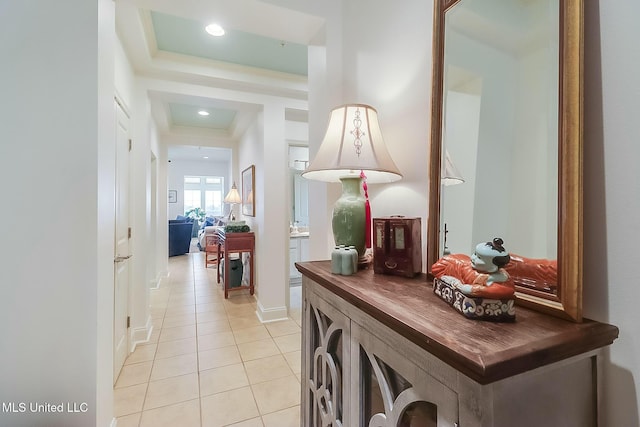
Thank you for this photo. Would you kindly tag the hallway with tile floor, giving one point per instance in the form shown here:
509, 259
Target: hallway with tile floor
210, 362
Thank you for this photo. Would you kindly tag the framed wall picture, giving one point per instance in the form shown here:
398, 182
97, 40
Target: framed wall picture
248, 191
173, 196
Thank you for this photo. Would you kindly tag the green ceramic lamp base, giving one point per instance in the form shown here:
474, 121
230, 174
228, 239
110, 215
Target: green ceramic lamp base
348, 222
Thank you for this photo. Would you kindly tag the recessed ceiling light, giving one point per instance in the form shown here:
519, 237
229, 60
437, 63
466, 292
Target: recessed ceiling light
205, 157
215, 30
203, 113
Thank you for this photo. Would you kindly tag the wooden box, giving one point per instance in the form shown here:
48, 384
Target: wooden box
397, 246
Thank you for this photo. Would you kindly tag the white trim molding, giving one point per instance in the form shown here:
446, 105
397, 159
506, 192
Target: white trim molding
161, 279
140, 335
271, 314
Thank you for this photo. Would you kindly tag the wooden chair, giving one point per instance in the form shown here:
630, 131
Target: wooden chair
211, 250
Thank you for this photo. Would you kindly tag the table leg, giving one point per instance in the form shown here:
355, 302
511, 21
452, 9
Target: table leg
251, 273
218, 266
226, 276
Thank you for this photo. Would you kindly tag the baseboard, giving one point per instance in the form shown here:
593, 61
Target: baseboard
271, 314
295, 281
140, 335
156, 283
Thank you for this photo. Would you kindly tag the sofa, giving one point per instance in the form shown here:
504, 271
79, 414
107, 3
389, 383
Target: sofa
179, 236
209, 226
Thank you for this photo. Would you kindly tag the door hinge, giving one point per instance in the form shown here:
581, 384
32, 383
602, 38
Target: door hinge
129, 232
128, 321
130, 144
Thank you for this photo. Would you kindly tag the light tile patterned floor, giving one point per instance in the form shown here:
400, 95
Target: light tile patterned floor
210, 362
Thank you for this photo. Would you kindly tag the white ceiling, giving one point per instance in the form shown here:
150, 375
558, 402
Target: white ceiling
215, 74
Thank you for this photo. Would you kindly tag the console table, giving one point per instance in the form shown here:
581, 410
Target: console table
229, 243
384, 351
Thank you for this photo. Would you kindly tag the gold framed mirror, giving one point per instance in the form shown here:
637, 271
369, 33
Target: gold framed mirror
511, 122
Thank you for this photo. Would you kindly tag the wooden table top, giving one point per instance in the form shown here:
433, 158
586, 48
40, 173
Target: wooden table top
484, 351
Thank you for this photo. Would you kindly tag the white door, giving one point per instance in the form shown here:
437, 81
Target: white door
122, 254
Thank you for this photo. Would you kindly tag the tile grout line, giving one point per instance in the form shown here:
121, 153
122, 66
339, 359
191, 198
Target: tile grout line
195, 314
155, 353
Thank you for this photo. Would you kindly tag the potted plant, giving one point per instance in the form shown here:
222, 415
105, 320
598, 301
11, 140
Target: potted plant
198, 216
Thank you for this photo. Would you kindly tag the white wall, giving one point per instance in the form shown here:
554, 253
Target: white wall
457, 208
147, 213
250, 153
325, 92
515, 198
264, 146
178, 169
56, 278
162, 252
140, 217
612, 196
533, 198
158, 267
497, 72
378, 54
387, 64
106, 165
124, 75
274, 231
296, 132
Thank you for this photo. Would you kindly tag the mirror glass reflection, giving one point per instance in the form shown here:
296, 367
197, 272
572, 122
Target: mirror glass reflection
299, 187
500, 130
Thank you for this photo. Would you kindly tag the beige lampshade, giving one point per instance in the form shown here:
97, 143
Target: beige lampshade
450, 173
233, 196
353, 143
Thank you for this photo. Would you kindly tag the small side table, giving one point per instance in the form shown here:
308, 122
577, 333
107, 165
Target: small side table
229, 243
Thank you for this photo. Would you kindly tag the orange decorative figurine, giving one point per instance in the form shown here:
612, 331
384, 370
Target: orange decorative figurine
478, 286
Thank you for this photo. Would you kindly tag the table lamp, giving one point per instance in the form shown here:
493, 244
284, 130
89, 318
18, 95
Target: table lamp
450, 173
352, 146
232, 198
